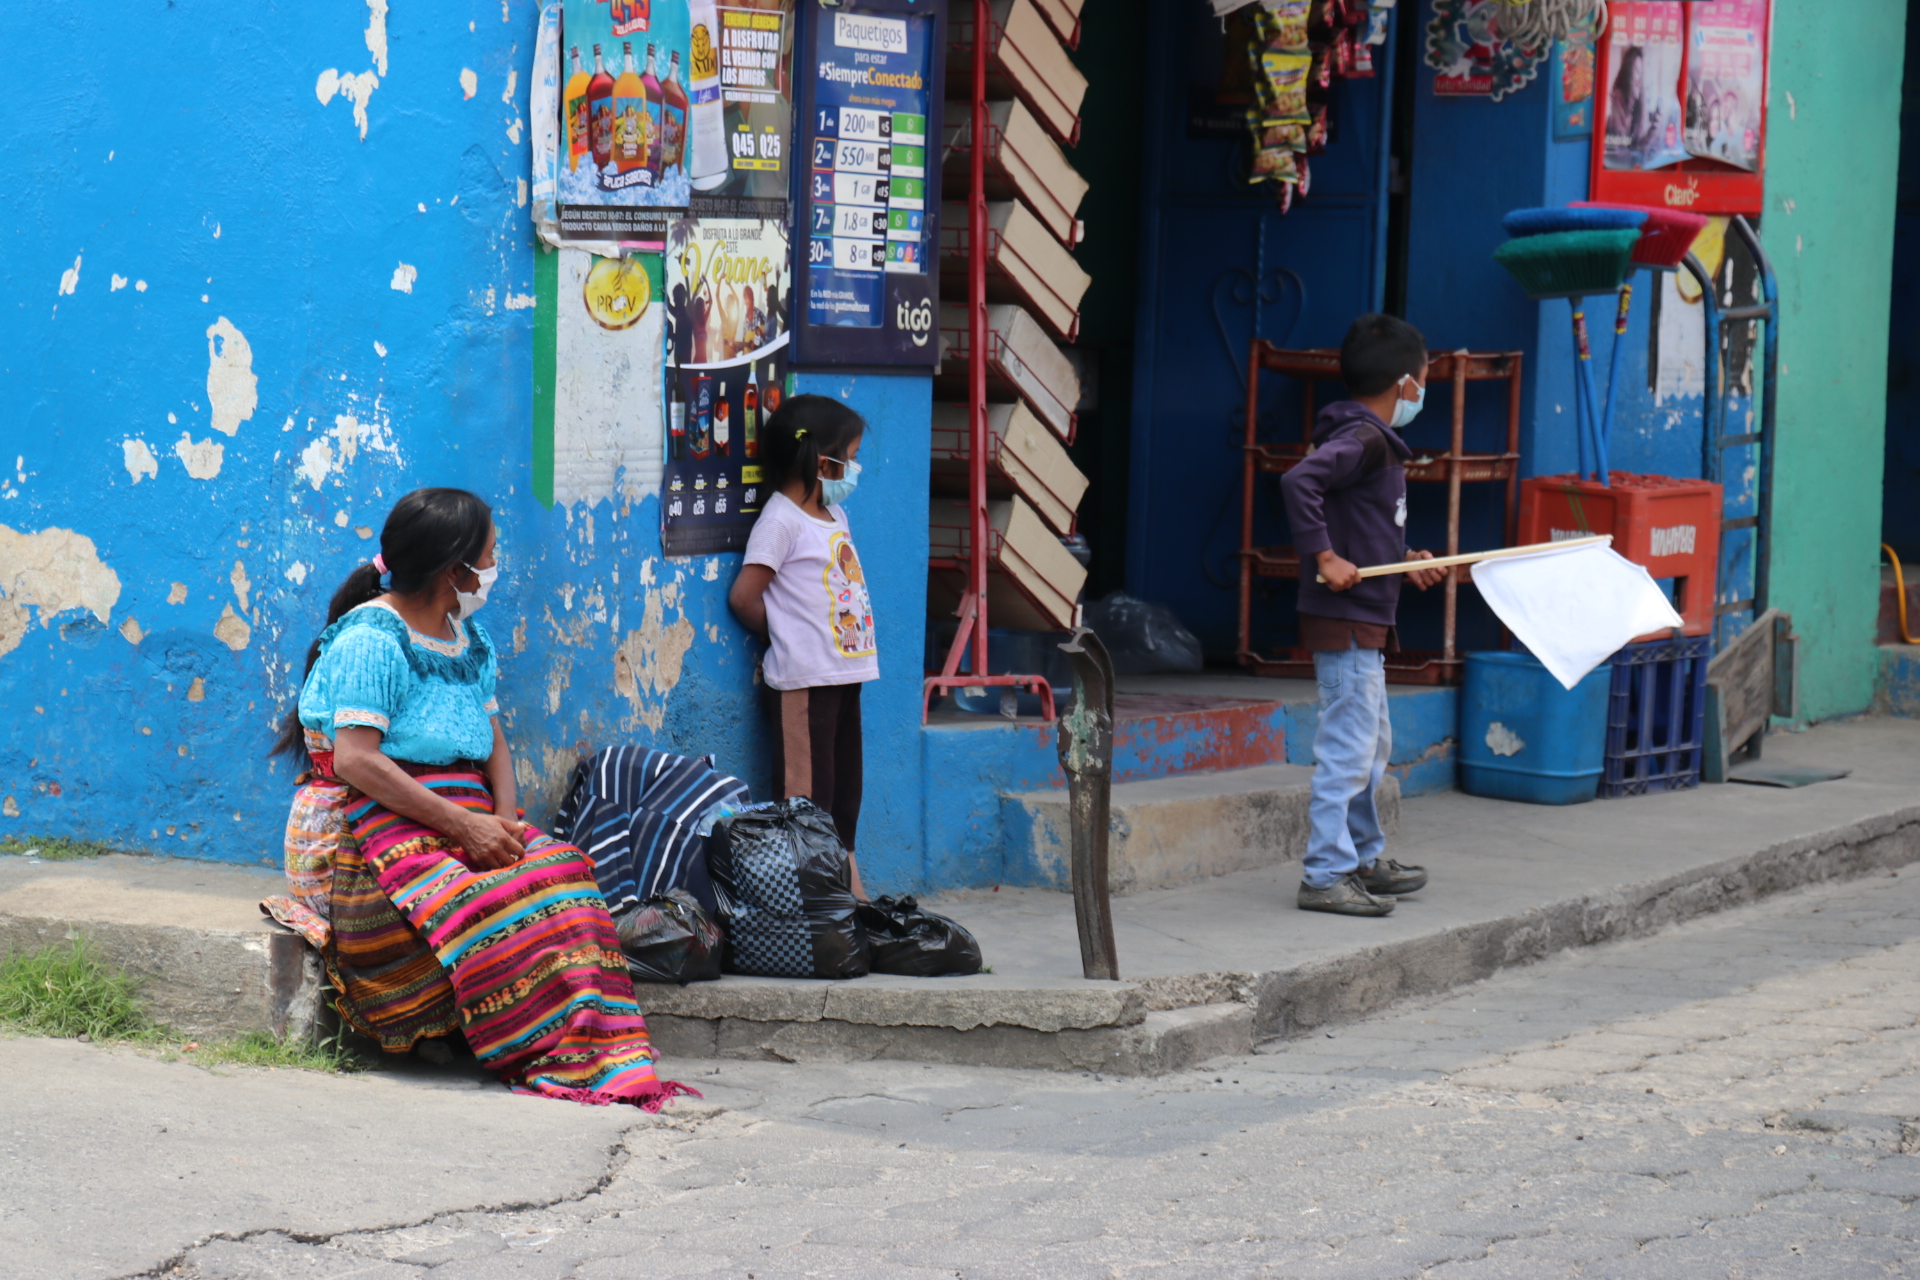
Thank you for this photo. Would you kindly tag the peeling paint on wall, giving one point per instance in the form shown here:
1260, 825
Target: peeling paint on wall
377, 33
202, 460
70, 278
403, 278
51, 571
232, 630
469, 83
140, 462
646, 666
354, 88
315, 461
232, 390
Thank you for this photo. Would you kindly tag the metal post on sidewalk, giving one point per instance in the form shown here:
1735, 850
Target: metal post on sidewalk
1086, 756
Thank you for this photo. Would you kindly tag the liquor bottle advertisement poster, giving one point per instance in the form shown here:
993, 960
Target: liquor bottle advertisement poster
630, 141
869, 183
728, 287
668, 103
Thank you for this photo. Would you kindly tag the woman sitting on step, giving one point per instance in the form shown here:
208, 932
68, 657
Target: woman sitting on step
445, 910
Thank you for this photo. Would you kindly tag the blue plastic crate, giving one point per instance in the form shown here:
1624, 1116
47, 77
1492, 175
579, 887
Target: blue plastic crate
1657, 716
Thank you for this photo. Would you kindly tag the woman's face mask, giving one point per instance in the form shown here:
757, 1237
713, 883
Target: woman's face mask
470, 601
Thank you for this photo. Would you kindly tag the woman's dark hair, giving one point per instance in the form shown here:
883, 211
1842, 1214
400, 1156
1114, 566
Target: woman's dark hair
804, 430
427, 532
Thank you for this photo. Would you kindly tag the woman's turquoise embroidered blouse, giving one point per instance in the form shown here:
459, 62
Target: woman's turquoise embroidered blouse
430, 699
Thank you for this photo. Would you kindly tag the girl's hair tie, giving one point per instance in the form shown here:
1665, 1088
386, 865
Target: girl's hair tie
801, 434
380, 563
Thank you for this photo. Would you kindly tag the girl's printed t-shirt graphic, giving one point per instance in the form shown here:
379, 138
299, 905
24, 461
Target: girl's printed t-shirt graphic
852, 614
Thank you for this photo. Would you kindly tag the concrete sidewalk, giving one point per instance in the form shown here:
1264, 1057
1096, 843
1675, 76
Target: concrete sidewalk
1210, 967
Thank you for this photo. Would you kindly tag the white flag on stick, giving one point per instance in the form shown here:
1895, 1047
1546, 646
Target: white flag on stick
1573, 609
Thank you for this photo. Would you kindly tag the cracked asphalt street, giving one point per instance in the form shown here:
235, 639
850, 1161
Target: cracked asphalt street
1737, 1097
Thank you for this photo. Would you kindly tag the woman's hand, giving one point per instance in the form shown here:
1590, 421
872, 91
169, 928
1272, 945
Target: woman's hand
493, 842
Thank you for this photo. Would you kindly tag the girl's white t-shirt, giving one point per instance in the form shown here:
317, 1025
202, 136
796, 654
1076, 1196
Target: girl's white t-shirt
819, 618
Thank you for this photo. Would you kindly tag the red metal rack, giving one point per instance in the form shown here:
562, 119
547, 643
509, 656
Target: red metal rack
973, 601
1452, 468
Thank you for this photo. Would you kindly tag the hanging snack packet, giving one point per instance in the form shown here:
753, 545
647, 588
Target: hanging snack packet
1316, 133
1320, 75
1283, 26
1280, 86
1273, 150
1362, 61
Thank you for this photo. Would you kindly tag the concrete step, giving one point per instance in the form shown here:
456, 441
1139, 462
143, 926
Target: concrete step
1175, 831
1065, 1024
1210, 967
209, 963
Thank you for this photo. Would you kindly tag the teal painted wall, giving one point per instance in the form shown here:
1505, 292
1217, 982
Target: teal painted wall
1833, 136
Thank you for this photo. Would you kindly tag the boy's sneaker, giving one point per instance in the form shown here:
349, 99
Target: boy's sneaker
1345, 896
1386, 876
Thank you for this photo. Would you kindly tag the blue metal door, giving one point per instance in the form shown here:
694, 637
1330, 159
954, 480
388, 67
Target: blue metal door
1220, 264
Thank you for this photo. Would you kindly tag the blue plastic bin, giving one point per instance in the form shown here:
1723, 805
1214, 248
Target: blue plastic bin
1523, 737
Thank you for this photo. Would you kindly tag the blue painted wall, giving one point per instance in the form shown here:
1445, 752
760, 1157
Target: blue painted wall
240, 324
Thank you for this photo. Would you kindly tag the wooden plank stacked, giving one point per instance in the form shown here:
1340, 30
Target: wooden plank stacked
1035, 288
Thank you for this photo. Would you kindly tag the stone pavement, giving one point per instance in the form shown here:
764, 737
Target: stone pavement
1735, 1097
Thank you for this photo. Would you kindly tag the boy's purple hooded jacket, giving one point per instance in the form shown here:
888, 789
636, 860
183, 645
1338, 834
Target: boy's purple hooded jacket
1350, 494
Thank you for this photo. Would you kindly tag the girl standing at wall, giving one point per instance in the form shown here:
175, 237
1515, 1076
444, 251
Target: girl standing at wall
802, 589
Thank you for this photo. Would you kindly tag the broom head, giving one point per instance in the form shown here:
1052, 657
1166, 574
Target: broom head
1569, 264
1666, 237
1537, 222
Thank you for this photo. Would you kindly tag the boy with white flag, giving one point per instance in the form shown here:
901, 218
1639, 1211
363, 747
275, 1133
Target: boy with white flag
1573, 604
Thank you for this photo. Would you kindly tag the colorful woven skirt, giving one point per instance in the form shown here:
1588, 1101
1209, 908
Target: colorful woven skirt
538, 975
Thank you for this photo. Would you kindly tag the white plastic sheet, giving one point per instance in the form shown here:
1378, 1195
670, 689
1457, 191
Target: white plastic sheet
1573, 609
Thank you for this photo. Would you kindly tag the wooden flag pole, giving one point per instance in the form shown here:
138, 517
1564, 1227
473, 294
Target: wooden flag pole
1473, 557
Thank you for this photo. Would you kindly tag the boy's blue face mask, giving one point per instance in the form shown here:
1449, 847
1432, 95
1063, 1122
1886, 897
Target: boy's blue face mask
835, 492
1405, 411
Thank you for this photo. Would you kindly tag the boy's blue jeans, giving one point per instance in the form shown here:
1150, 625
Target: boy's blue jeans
1350, 751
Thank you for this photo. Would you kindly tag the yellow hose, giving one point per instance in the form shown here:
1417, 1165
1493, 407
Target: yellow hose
1899, 593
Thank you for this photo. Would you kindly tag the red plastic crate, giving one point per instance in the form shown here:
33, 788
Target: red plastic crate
1669, 525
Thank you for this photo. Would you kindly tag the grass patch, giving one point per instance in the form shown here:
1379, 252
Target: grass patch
264, 1049
68, 990
55, 848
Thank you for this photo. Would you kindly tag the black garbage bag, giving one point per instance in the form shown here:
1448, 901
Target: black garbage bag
786, 893
670, 939
906, 939
1141, 638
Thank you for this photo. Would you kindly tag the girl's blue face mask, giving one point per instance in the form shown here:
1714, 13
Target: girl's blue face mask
835, 492
1405, 411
